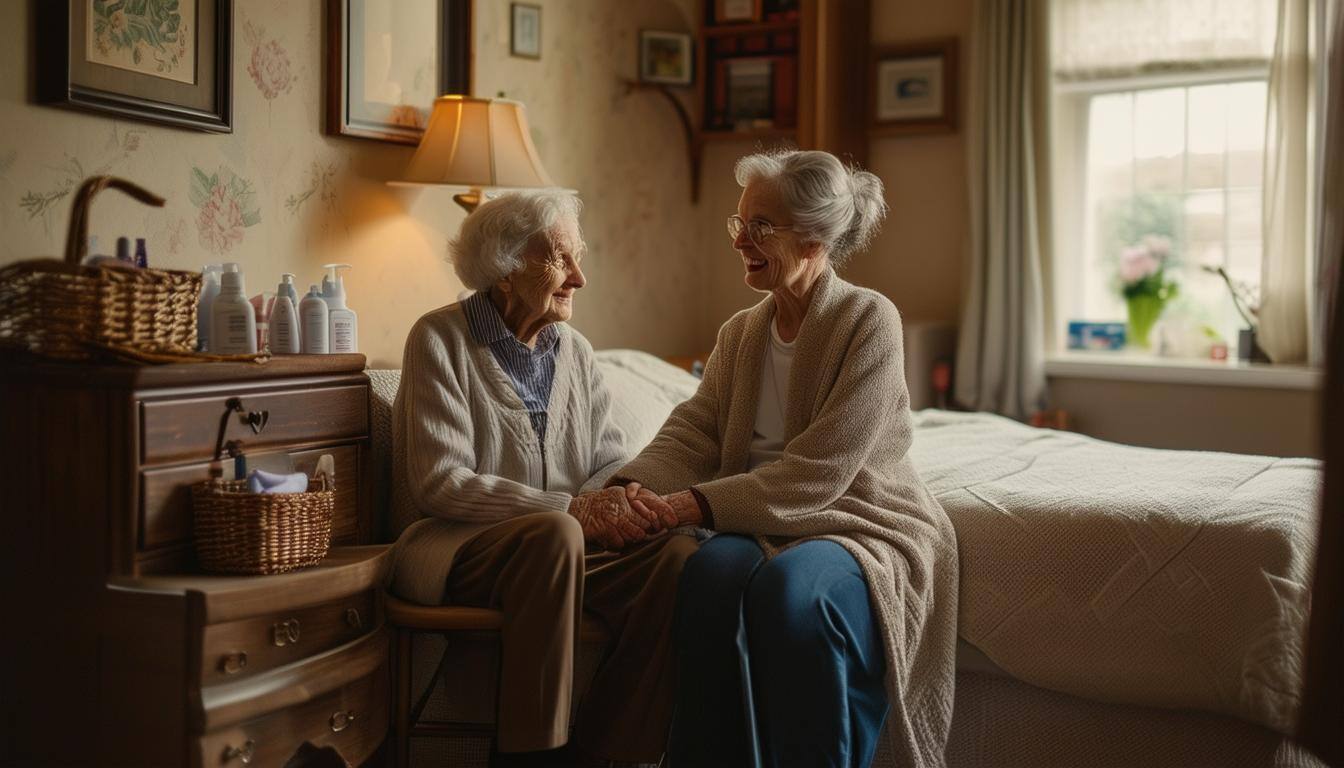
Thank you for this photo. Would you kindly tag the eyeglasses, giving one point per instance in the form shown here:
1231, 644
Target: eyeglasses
758, 230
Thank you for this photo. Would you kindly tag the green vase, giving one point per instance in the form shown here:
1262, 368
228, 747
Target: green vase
1143, 313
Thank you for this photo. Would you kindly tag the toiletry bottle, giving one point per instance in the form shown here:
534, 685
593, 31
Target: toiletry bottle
233, 324
343, 324
313, 316
209, 290
141, 255
262, 306
124, 252
285, 336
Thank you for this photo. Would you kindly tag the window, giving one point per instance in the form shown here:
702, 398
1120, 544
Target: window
1158, 151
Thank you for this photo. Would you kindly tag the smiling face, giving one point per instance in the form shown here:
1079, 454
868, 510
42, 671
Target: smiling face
776, 261
544, 287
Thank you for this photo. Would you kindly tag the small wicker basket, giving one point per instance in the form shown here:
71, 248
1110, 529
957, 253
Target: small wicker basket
63, 309
238, 531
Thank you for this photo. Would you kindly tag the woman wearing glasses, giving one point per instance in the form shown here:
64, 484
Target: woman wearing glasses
826, 604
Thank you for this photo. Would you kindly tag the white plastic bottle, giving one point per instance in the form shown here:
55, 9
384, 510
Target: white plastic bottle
209, 290
313, 315
233, 322
342, 323
285, 335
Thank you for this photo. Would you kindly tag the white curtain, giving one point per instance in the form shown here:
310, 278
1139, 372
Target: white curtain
1122, 38
1330, 177
1284, 272
1001, 344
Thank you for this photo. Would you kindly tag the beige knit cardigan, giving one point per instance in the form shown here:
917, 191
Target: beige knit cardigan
846, 476
465, 456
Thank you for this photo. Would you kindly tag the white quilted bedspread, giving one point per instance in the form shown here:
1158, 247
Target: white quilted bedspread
1125, 574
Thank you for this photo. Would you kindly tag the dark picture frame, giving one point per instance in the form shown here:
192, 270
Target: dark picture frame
522, 37
666, 57
349, 110
751, 92
196, 93
913, 88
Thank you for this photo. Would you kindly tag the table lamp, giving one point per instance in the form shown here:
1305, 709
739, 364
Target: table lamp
479, 146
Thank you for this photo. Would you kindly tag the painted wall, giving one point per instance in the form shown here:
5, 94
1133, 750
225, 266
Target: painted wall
278, 195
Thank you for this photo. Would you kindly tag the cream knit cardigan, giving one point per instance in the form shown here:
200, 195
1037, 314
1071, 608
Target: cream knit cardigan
846, 476
465, 456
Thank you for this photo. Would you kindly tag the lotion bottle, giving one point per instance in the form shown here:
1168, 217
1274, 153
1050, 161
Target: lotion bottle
209, 290
285, 335
233, 324
343, 324
314, 317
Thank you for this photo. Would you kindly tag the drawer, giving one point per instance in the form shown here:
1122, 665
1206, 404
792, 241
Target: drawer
352, 719
165, 497
182, 430
239, 649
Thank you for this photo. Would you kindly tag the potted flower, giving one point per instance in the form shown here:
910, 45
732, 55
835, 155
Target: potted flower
1144, 284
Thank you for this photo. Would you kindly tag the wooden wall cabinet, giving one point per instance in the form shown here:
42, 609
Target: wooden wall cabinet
119, 651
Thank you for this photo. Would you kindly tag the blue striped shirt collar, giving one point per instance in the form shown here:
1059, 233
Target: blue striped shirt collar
487, 325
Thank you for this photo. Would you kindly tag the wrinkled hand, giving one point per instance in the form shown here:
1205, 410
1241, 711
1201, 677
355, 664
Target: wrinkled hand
654, 509
607, 518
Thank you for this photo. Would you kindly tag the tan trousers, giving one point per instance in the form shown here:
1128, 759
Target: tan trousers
535, 571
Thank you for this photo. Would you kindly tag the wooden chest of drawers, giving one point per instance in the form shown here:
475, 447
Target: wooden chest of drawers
128, 655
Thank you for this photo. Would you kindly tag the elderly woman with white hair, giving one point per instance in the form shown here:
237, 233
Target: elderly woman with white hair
827, 601
503, 440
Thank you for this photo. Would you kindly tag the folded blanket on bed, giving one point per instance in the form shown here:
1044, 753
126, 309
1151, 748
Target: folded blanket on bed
1124, 574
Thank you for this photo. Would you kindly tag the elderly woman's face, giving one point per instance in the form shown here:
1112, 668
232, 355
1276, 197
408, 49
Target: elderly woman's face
774, 261
550, 273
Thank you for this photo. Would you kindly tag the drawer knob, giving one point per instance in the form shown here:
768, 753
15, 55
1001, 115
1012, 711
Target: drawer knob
353, 618
233, 663
342, 720
285, 632
244, 753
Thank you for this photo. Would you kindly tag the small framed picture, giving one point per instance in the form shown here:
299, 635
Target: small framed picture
737, 10
914, 89
665, 57
525, 30
750, 93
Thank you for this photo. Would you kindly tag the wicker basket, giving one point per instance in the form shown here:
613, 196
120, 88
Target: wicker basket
238, 531
65, 310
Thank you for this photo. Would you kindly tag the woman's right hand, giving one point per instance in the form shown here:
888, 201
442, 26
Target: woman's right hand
607, 518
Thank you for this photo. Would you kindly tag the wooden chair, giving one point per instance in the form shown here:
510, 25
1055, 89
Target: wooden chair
407, 619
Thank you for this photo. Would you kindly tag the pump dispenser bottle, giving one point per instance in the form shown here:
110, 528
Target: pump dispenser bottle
209, 290
343, 324
313, 315
285, 335
233, 322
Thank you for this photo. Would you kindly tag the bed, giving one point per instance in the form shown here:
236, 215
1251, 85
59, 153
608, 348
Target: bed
1119, 606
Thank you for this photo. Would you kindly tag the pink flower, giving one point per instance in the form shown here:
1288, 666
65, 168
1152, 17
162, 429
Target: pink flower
220, 222
269, 69
1136, 263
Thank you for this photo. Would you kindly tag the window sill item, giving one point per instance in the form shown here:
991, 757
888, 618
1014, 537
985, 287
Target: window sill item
1122, 366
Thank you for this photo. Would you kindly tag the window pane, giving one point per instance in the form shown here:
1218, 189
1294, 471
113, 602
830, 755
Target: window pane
1245, 133
1208, 137
1243, 214
1204, 217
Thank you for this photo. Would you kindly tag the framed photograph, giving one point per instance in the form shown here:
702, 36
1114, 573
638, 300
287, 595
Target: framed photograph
914, 88
525, 30
727, 11
387, 60
750, 93
665, 57
162, 61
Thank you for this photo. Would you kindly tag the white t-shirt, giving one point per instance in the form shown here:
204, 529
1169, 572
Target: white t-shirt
767, 440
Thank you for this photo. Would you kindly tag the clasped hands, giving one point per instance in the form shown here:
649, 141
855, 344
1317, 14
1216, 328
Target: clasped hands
617, 516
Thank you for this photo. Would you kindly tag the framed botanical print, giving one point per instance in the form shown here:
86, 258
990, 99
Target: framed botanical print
665, 57
387, 60
163, 61
525, 30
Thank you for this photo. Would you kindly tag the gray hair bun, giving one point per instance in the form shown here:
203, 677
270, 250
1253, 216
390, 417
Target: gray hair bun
829, 203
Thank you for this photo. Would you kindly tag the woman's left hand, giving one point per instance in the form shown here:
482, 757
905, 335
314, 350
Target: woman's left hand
655, 510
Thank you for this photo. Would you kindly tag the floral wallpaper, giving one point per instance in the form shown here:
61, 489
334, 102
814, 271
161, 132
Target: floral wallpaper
279, 195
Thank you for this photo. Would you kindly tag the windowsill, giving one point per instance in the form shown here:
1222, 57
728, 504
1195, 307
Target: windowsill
1129, 366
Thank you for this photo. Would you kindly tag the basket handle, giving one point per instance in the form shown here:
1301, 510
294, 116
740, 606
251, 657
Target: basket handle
77, 238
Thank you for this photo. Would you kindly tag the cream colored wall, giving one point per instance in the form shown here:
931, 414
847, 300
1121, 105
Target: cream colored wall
917, 258
322, 198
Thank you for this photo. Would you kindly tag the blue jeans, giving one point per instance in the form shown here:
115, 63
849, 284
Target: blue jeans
780, 662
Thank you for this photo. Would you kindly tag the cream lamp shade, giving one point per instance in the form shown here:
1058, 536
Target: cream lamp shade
479, 146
